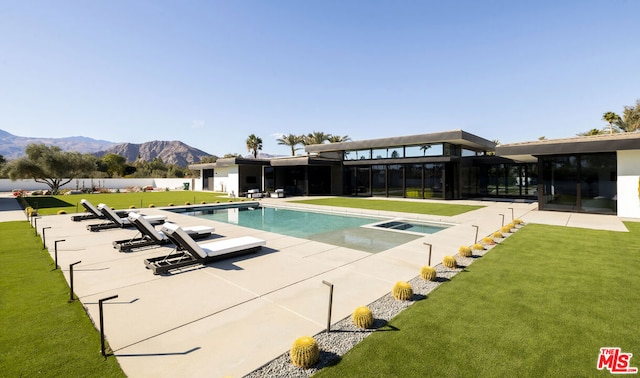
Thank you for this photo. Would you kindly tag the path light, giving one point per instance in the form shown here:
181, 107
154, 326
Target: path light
35, 224
44, 239
429, 260
512, 217
71, 280
502, 215
55, 244
330, 304
477, 228
102, 323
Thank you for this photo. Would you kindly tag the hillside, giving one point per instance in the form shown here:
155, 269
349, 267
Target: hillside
12, 146
171, 152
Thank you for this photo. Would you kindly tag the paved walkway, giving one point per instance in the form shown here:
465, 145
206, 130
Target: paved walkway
231, 317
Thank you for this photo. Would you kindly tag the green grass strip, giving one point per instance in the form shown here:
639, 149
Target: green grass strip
432, 208
48, 205
42, 333
541, 304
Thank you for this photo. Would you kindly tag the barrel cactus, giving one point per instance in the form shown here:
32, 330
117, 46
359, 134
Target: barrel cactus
497, 235
450, 262
478, 247
362, 317
465, 251
505, 229
187, 203
304, 352
488, 241
152, 205
60, 212
402, 291
518, 222
132, 206
428, 273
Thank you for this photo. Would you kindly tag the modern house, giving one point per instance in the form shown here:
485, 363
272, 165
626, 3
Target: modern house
594, 174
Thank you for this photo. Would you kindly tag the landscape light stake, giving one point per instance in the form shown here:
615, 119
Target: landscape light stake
35, 224
330, 304
71, 280
512, 217
502, 215
477, 228
102, 323
55, 244
430, 247
44, 238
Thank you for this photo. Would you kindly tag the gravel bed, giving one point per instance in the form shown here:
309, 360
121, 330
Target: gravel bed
345, 335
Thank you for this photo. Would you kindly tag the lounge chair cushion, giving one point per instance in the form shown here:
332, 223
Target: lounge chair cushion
221, 247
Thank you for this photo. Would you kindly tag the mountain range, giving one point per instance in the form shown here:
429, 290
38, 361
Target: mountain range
171, 152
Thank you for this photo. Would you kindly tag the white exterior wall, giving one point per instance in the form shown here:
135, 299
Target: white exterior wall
628, 184
7, 185
226, 179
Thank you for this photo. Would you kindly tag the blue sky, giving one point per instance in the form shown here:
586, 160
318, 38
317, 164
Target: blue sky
209, 73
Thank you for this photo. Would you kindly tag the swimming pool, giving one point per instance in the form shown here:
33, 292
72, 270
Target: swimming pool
336, 229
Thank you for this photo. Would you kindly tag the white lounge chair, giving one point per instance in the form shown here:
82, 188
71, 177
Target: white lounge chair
114, 221
151, 236
93, 213
188, 252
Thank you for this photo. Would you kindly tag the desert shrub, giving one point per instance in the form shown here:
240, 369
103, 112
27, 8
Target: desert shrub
304, 352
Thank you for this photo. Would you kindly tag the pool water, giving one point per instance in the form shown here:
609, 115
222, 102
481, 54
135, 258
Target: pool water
338, 230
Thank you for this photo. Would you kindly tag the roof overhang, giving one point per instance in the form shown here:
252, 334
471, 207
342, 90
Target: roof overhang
302, 161
459, 137
528, 151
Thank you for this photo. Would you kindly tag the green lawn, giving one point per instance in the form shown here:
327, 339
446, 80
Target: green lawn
432, 208
42, 334
71, 203
541, 304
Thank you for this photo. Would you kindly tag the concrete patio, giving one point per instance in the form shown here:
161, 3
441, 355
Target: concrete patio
231, 317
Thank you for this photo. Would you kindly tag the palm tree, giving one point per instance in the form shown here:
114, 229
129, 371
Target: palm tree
316, 137
254, 144
290, 140
338, 139
611, 118
591, 132
424, 149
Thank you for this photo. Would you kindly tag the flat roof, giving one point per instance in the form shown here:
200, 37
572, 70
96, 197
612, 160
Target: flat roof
459, 137
527, 151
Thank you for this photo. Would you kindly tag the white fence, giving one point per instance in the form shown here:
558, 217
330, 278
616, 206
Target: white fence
7, 185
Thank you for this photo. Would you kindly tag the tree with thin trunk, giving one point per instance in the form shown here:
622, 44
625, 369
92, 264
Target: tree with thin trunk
50, 165
290, 140
611, 118
631, 118
254, 144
